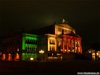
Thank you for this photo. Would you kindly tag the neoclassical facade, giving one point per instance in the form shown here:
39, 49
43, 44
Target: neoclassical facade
55, 42
64, 39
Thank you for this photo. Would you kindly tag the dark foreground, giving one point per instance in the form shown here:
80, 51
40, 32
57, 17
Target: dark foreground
49, 68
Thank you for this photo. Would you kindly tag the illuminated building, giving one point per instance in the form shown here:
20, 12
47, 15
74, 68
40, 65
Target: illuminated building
95, 55
20, 47
57, 42
29, 46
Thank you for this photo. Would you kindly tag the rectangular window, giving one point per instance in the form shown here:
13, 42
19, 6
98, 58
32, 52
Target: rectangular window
52, 48
52, 41
31, 41
65, 31
59, 29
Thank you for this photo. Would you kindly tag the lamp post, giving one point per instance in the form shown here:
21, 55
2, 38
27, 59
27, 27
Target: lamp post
41, 52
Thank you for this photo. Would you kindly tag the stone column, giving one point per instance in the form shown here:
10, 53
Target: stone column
48, 44
63, 46
77, 47
67, 46
71, 44
80, 47
74, 46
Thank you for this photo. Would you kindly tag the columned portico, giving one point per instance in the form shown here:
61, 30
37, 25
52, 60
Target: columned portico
70, 44
67, 46
63, 46
73, 44
80, 47
77, 47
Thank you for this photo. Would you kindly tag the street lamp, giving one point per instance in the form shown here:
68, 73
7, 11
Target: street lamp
31, 58
41, 52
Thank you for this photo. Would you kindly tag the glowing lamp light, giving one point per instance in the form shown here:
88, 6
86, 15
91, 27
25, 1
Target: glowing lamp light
52, 54
41, 51
3, 57
73, 50
89, 51
59, 54
0, 53
9, 57
17, 56
69, 50
61, 49
31, 58
17, 49
61, 57
97, 54
93, 53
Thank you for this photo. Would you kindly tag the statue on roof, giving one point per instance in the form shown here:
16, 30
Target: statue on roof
64, 21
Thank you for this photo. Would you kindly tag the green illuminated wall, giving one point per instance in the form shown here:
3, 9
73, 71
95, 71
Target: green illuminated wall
29, 34
27, 56
30, 38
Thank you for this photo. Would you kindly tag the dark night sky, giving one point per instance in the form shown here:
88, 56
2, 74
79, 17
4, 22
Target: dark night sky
83, 15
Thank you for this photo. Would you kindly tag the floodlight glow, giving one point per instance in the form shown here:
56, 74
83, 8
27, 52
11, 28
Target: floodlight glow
89, 51
3, 56
93, 53
17, 56
41, 51
31, 58
9, 57
97, 54
17, 49
61, 57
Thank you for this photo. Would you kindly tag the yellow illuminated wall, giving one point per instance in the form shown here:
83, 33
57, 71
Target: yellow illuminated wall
67, 29
50, 45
